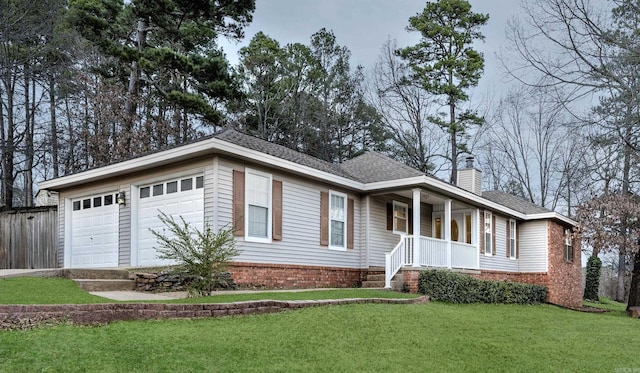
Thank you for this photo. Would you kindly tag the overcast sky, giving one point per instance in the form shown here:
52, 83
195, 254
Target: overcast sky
364, 25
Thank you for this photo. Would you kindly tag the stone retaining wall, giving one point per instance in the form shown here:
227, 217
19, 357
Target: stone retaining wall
28, 316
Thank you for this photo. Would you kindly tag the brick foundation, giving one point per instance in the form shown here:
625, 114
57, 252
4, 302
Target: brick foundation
537, 278
288, 276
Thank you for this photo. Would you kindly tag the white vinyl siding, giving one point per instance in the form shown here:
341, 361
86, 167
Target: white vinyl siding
300, 242
500, 261
533, 246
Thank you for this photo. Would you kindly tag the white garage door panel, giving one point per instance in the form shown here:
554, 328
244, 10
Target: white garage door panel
188, 204
94, 232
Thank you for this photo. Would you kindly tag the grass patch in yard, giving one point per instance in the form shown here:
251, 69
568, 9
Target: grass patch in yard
363, 337
607, 304
44, 290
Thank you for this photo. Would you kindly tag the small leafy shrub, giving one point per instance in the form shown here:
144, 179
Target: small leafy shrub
594, 264
455, 287
201, 255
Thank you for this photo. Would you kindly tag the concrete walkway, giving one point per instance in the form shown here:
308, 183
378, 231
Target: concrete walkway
53, 272
138, 295
135, 295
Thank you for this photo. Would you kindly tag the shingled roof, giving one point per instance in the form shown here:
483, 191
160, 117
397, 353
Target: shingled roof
514, 203
283, 152
371, 167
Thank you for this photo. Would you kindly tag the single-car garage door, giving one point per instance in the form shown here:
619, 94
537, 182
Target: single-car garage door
180, 197
94, 231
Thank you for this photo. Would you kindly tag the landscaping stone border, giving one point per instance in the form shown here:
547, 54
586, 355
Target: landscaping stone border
29, 316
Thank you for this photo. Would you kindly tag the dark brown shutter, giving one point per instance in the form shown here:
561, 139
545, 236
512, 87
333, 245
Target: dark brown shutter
350, 215
389, 216
508, 238
324, 218
493, 234
410, 220
238, 203
276, 201
481, 232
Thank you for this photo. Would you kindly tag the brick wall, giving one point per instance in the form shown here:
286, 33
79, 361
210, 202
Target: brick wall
565, 277
538, 278
276, 276
29, 316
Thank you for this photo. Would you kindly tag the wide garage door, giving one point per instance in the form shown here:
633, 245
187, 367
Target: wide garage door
180, 197
94, 231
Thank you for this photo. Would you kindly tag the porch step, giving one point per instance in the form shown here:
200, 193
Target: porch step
97, 274
376, 280
105, 284
379, 277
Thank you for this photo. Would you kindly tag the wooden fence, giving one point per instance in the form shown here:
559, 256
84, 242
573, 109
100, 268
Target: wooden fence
29, 238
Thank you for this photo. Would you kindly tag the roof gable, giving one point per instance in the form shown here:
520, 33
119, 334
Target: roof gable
514, 203
371, 167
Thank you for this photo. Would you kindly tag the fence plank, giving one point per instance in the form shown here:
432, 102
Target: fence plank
28, 238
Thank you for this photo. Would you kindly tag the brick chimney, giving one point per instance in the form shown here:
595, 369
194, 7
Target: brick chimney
470, 178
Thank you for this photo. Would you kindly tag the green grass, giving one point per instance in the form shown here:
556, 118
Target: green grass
608, 304
34, 290
353, 338
37, 290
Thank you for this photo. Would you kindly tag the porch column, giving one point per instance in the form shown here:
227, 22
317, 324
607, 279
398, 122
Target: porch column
416, 227
447, 229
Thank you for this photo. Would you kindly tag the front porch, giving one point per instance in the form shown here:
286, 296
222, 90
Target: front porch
430, 252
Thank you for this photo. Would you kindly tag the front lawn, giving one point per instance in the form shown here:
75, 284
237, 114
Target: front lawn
34, 290
352, 338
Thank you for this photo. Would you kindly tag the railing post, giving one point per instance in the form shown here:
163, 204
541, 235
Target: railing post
416, 227
387, 270
447, 229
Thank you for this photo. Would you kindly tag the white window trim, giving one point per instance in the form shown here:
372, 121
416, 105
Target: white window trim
488, 216
269, 206
346, 213
568, 244
406, 211
513, 240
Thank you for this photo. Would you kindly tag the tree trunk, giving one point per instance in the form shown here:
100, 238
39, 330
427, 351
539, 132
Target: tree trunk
54, 126
634, 289
454, 145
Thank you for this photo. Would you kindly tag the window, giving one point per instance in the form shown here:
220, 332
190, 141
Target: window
199, 182
258, 206
488, 233
467, 228
86, 203
145, 192
158, 189
568, 247
438, 228
172, 187
108, 199
455, 231
513, 243
400, 217
76, 205
97, 201
186, 184
338, 220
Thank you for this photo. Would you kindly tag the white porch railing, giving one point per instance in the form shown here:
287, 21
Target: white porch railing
433, 253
